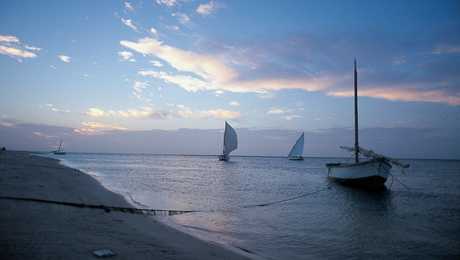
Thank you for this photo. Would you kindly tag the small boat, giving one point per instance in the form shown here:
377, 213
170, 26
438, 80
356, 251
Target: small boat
60, 150
230, 142
370, 173
297, 150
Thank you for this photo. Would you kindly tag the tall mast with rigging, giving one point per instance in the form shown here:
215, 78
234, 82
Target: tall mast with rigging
356, 114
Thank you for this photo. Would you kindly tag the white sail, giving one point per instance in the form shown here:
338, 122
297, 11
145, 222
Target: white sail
230, 139
297, 149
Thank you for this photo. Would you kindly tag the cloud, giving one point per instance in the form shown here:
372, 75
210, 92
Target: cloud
14, 52
90, 128
9, 38
210, 73
139, 113
221, 114
267, 85
181, 17
96, 112
32, 48
194, 84
402, 94
275, 111
154, 31
218, 113
43, 135
64, 58
203, 72
173, 27
126, 56
446, 49
288, 114
129, 23
11, 46
167, 3
129, 7
145, 112
290, 117
53, 108
138, 88
189, 83
205, 66
206, 9
234, 103
156, 63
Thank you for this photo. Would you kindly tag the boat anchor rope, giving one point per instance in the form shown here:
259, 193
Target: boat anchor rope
151, 212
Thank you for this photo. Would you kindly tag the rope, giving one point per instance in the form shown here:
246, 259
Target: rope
147, 211
285, 200
143, 211
400, 182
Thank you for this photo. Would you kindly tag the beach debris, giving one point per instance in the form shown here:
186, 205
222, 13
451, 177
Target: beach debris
103, 253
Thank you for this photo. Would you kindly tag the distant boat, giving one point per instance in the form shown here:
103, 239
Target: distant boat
297, 150
60, 150
370, 173
230, 142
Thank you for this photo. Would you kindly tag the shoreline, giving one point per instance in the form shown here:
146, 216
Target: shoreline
37, 230
167, 220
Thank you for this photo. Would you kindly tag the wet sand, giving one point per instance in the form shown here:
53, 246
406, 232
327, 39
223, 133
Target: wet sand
33, 230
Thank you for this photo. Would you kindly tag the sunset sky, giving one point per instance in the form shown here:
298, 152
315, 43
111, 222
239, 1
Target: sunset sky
95, 66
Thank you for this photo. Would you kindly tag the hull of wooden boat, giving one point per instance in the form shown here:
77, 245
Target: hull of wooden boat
296, 158
367, 174
224, 157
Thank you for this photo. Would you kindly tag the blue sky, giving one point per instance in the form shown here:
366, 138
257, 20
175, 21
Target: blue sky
96, 66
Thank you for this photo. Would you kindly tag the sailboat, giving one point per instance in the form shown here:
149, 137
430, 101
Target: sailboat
60, 150
297, 150
373, 171
230, 142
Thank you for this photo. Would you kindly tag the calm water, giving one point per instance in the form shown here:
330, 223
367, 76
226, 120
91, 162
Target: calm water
330, 221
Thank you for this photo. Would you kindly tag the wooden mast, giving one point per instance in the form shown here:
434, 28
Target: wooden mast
356, 114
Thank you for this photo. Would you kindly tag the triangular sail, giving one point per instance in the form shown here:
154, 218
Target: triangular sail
230, 139
60, 146
297, 149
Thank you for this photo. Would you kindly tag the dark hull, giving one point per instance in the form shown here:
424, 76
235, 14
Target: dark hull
224, 158
371, 182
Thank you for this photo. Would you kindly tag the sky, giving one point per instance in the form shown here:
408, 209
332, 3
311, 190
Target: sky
99, 67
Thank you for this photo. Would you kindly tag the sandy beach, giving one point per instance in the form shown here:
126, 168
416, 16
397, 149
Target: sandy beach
33, 230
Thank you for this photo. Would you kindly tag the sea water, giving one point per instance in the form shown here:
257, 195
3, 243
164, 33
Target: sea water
280, 209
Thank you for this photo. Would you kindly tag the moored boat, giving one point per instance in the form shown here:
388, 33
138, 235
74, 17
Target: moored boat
373, 171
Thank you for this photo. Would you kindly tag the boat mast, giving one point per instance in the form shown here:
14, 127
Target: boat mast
356, 114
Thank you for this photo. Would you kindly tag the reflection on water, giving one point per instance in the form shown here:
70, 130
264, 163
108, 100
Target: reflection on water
329, 221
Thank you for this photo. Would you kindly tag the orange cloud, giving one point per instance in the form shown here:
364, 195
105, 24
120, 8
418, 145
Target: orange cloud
403, 94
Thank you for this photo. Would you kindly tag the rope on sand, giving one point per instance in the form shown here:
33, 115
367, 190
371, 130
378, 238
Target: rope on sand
142, 211
151, 212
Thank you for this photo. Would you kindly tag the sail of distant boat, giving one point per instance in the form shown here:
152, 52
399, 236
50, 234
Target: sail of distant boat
230, 142
297, 150
60, 150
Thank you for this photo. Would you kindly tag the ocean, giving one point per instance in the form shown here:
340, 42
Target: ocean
274, 208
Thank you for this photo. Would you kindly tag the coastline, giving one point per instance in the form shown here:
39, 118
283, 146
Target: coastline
39, 231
